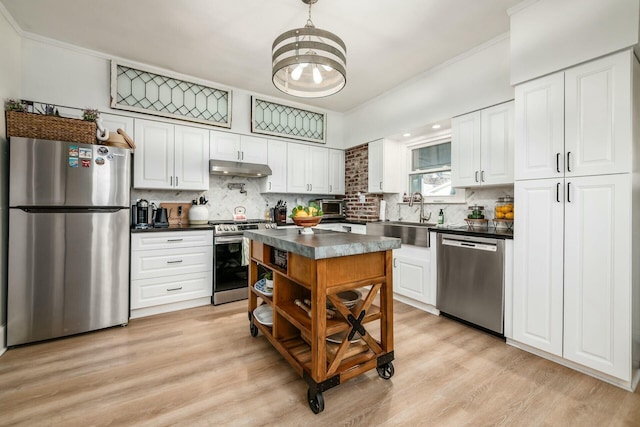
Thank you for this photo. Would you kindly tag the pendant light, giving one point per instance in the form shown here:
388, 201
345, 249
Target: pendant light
309, 62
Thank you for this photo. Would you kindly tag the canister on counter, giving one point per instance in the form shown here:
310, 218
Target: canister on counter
504, 208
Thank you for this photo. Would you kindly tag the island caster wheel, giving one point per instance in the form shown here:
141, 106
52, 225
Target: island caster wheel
253, 329
316, 402
386, 371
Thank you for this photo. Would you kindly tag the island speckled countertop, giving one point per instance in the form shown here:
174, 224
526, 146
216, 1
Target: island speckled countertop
322, 243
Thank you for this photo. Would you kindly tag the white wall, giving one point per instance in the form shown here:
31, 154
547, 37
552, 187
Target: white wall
65, 75
476, 79
550, 35
9, 88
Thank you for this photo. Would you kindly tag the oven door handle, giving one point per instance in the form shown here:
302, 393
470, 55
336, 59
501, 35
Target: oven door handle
223, 240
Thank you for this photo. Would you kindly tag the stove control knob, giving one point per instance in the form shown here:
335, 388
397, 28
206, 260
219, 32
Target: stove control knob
232, 228
226, 228
219, 228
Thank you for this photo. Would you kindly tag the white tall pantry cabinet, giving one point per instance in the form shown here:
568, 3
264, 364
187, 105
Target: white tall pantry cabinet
576, 286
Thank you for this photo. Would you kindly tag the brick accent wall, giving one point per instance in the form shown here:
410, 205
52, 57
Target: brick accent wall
357, 181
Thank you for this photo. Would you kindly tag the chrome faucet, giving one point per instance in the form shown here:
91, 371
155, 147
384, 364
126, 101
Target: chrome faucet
422, 217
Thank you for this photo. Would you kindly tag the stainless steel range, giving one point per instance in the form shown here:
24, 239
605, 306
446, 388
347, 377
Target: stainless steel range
231, 258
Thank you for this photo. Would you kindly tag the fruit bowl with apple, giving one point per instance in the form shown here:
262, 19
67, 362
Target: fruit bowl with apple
306, 217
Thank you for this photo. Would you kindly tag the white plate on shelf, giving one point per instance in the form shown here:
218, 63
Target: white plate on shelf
337, 338
260, 286
264, 315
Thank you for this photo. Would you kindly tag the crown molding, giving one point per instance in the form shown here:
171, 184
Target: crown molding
12, 22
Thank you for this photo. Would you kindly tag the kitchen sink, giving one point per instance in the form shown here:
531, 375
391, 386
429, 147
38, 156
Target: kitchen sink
410, 233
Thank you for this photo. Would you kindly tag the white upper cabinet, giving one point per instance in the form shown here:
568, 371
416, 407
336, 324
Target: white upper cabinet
237, 148
336, 172
539, 116
153, 159
224, 146
191, 162
307, 169
387, 167
253, 149
170, 157
576, 122
482, 147
598, 117
277, 161
496, 144
465, 150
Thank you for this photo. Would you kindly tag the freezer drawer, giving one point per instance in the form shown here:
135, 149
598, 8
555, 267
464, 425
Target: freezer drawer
68, 273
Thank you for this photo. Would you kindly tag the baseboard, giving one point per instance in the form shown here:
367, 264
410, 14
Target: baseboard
166, 308
417, 304
3, 341
626, 385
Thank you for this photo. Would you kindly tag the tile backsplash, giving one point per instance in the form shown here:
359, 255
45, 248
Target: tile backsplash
454, 214
222, 200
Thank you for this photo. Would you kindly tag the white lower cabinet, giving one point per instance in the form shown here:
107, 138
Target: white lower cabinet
412, 282
573, 288
170, 271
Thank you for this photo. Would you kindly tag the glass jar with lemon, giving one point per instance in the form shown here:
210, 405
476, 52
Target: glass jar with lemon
503, 214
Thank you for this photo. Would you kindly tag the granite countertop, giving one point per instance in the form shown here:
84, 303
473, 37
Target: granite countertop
173, 228
322, 243
497, 233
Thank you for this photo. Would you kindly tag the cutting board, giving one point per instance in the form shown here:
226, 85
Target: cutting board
172, 212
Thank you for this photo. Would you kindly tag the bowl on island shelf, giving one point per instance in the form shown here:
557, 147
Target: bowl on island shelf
306, 217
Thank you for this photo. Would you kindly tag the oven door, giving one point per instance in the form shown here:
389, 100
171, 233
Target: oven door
230, 273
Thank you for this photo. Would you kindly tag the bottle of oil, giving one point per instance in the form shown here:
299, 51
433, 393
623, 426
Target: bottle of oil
441, 217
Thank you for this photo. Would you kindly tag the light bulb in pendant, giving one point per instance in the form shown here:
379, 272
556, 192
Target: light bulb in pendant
297, 72
327, 68
317, 77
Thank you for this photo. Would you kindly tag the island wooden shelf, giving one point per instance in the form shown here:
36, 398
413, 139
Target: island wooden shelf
318, 268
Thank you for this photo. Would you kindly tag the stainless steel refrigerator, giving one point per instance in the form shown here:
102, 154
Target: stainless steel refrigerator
69, 220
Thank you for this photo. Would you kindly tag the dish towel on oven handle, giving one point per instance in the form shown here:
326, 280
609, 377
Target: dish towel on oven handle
245, 251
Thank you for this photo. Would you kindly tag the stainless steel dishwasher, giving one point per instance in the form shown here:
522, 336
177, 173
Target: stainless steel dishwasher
471, 279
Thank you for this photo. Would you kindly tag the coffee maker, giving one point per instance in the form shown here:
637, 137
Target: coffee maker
140, 214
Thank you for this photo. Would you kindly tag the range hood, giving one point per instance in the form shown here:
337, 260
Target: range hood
224, 167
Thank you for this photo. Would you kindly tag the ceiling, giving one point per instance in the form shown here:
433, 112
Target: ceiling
229, 41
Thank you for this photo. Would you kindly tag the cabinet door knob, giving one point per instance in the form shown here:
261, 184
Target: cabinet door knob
568, 192
558, 162
395, 262
330, 188
174, 289
558, 192
176, 181
269, 185
171, 181
482, 176
568, 161
476, 176
381, 185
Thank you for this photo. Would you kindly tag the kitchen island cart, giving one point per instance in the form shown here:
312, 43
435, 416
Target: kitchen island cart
330, 290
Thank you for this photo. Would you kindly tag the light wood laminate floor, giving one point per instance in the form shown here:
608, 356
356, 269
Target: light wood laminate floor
200, 367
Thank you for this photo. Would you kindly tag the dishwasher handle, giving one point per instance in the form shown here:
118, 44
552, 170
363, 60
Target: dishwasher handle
470, 245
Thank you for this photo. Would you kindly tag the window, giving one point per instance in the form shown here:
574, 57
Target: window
431, 173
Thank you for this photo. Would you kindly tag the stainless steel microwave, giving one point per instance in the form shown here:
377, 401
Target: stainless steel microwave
332, 208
